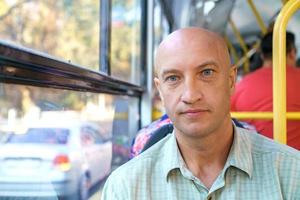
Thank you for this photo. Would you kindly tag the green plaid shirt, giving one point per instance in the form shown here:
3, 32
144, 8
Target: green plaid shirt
256, 168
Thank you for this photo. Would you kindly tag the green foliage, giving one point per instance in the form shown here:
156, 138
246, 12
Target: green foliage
125, 39
69, 30
64, 29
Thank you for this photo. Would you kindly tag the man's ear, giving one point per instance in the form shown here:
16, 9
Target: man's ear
232, 78
158, 86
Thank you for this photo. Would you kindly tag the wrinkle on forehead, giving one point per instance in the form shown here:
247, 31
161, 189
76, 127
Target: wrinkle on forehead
189, 38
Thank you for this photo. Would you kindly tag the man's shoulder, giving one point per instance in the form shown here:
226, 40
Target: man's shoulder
263, 146
274, 162
136, 173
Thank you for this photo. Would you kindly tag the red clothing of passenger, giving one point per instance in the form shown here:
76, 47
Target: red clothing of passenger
254, 93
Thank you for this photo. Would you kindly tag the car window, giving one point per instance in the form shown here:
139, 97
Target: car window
41, 135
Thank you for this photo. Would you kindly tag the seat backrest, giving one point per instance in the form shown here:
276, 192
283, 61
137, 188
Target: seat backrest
158, 135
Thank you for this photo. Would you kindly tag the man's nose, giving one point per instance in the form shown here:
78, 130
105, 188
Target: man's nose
191, 92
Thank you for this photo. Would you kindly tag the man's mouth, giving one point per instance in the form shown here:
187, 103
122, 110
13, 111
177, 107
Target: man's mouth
194, 112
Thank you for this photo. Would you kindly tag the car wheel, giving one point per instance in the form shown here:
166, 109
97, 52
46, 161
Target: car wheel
84, 186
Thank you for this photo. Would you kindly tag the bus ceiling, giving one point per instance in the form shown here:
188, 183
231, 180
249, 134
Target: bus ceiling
215, 15
211, 14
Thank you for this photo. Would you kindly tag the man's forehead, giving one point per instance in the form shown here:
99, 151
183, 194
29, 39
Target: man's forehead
190, 35
188, 39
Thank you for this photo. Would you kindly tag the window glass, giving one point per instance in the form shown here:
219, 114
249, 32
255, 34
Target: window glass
161, 30
161, 26
65, 29
126, 40
38, 118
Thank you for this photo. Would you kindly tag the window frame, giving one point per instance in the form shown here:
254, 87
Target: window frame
24, 66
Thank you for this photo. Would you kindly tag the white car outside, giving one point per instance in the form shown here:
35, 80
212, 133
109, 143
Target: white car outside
62, 159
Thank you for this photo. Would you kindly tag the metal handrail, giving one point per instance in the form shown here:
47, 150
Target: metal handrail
242, 43
247, 53
279, 69
246, 57
263, 115
232, 49
284, 1
258, 17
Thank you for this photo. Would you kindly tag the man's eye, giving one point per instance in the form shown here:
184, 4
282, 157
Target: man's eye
172, 78
207, 72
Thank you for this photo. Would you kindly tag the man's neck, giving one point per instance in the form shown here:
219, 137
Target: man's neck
269, 63
206, 157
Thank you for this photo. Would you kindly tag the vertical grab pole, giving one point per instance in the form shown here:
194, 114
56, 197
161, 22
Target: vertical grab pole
279, 70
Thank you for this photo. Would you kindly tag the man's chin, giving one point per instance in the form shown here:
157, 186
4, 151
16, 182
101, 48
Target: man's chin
194, 131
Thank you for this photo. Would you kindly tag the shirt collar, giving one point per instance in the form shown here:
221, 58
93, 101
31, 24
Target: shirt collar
172, 156
239, 155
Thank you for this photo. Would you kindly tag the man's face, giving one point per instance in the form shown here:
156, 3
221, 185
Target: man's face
195, 82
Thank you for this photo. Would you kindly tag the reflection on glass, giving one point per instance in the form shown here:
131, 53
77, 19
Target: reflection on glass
59, 142
126, 40
66, 29
40, 136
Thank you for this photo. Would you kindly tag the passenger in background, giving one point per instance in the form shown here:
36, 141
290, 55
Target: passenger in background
255, 62
254, 91
207, 156
298, 63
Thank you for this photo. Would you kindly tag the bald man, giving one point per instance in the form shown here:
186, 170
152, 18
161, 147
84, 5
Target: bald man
207, 156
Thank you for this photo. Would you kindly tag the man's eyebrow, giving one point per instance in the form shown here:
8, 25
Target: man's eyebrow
169, 71
207, 63
200, 66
